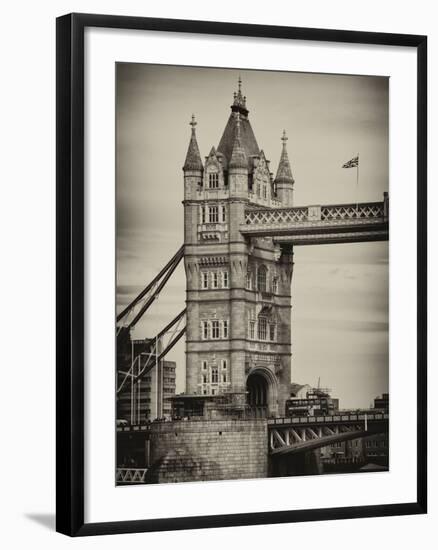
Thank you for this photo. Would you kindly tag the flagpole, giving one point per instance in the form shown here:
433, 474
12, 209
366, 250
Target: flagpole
357, 186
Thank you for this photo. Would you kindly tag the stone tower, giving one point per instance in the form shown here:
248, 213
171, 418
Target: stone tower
238, 339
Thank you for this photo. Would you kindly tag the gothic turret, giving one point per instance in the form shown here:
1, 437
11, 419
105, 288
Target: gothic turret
284, 181
193, 168
193, 161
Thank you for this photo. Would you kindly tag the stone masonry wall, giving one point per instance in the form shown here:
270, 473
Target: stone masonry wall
207, 450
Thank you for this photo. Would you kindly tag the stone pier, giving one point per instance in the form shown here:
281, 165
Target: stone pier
206, 450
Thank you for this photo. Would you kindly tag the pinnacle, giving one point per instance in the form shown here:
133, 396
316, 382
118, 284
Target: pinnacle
284, 172
193, 158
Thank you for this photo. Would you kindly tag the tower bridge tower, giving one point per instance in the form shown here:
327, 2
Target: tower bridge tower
238, 339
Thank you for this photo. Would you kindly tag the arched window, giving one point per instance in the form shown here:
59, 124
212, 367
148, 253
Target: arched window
224, 329
213, 180
215, 333
262, 276
252, 330
272, 332
262, 328
249, 280
213, 214
204, 279
214, 375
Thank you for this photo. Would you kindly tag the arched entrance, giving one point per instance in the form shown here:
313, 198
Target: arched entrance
261, 393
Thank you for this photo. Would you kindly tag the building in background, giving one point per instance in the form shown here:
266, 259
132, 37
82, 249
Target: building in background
382, 402
376, 447
299, 390
307, 401
349, 455
157, 389
372, 450
152, 395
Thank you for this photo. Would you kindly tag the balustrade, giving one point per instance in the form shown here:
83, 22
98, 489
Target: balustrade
299, 215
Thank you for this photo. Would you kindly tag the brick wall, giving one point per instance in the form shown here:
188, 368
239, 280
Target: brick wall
208, 450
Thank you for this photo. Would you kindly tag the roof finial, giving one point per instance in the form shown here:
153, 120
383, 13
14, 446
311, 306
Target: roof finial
193, 123
239, 99
284, 138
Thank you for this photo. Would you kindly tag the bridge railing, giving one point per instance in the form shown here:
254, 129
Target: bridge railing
134, 428
130, 475
329, 419
342, 211
326, 213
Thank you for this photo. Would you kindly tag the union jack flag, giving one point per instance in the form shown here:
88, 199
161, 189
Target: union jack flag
353, 163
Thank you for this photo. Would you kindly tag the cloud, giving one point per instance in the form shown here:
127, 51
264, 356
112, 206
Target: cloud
341, 325
130, 290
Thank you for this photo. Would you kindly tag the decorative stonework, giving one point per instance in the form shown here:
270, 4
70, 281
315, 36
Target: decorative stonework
212, 261
211, 236
238, 266
265, 358
213, 166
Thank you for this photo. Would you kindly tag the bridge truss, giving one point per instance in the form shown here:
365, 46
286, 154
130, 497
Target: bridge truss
300, 434
130, 475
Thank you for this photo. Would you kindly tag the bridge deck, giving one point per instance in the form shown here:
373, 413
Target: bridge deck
319, 224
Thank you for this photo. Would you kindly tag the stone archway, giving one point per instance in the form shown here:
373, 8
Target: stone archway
261, 394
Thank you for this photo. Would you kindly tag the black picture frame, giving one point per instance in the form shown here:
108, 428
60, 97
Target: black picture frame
70, 273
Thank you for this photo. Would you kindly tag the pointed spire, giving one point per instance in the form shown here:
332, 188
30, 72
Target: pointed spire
284, 172
193, 158
238, 156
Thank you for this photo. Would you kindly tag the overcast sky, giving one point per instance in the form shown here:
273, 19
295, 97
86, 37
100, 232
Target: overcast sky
339, 292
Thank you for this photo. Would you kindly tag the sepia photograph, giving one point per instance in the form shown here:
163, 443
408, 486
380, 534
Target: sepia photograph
252, 274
